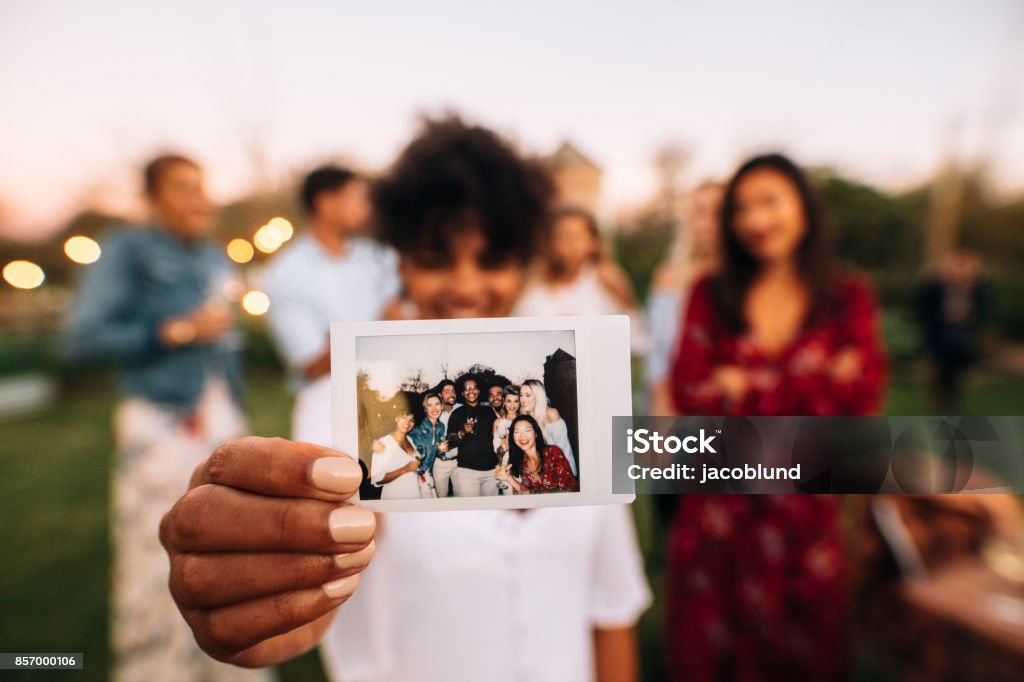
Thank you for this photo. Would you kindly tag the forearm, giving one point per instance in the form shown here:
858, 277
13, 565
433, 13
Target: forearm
104, 339
615, 655
392, 475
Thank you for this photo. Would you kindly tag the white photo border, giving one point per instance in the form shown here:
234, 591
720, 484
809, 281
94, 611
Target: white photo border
603, 390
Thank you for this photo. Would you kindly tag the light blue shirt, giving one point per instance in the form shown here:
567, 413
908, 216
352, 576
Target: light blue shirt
309, 288
664, 313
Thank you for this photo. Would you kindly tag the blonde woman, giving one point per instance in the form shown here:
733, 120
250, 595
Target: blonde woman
533, 399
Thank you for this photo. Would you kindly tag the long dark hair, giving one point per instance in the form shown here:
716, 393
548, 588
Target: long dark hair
815, 257
516, 456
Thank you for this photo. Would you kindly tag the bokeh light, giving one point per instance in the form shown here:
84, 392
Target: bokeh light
23, 274
282, 228
267, 240
240, 251
82, 250
256, 303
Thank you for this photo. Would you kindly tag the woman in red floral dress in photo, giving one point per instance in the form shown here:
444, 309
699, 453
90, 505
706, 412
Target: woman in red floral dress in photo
535, 467
757, 584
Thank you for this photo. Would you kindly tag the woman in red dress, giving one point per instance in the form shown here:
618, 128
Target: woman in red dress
757, 583
534, 466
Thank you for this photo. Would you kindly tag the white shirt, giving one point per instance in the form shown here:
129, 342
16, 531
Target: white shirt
309, 288
465, 596
583, 296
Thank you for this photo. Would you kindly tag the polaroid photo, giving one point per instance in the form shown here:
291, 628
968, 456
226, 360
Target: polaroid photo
503, 413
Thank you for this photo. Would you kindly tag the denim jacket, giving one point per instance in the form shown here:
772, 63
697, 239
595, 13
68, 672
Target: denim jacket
144, 277
425, 436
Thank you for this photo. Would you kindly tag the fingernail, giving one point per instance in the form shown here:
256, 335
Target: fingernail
342, 587
339, 474
352, 524
355, 559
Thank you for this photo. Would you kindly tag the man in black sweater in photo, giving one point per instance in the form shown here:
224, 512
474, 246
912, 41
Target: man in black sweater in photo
469, 429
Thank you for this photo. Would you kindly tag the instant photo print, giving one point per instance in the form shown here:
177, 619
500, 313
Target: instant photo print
483, 413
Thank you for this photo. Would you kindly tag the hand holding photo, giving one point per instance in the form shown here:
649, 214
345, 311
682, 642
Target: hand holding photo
481, 414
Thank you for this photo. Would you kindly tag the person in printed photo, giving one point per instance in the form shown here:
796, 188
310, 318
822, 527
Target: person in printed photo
534, 399
535, 466
396, 462
470, 429
429, 435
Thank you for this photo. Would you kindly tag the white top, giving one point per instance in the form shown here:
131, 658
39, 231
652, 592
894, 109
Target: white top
391, 458
465, 596
557, 433
309, 288
583, 296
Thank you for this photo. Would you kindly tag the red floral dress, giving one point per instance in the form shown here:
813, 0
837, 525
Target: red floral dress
757, 584
555, 475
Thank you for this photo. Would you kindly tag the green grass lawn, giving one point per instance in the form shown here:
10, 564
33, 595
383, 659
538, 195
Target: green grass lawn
53, 502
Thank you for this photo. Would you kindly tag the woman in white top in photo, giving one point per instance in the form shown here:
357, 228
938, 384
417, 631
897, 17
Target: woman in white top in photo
395, 461
509, 411
534, 401
502, 426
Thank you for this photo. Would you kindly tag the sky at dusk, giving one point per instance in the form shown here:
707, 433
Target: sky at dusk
391, 360
259, 91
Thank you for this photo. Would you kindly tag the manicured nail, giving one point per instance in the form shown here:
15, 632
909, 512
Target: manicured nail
358, 559
339, 474
342, 587
352, 524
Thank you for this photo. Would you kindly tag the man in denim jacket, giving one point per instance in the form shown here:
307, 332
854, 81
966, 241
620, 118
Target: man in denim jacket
154, 305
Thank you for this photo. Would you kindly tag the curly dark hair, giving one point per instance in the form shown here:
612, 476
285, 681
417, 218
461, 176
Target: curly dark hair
455, 176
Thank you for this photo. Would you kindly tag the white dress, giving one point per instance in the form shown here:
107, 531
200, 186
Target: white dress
392, 458
475, 587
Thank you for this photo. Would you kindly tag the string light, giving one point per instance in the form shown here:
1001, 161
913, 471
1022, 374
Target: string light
82, 250
23, 274
256, 303
240, 251
267, 240
281, 228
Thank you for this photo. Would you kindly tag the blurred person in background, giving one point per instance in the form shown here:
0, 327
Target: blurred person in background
329, 274
153, 305
951, 309
560, 588
575, 275
694, 255
757, 584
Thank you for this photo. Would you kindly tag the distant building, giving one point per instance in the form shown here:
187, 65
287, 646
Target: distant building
577, 178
